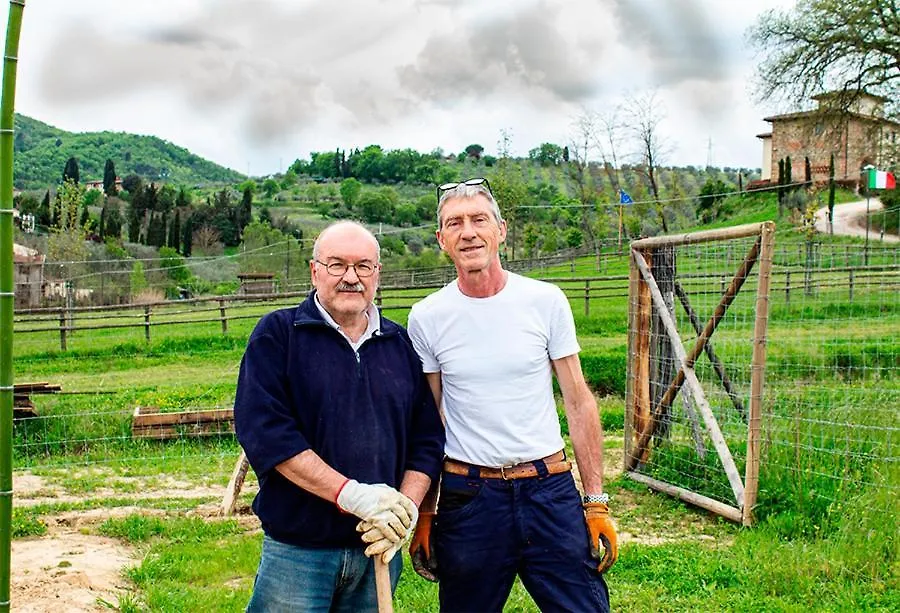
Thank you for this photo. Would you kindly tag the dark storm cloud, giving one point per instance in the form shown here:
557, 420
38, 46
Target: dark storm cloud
526, 50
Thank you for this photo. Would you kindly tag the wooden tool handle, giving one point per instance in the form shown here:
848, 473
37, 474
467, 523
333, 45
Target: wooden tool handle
383, 586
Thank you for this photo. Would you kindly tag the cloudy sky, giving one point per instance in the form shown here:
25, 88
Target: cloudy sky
255, 84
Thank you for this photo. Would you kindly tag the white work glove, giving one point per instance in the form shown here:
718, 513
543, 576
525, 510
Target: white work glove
379, 544
380, 505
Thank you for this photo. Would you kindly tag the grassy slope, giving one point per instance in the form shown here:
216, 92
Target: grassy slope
42, 152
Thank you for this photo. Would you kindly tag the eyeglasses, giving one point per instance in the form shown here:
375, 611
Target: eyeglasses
472, 182
339, 269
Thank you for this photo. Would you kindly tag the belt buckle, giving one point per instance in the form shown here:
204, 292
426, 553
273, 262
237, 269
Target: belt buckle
503, 471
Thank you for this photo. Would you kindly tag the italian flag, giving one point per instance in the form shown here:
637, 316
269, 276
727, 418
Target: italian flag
879, 179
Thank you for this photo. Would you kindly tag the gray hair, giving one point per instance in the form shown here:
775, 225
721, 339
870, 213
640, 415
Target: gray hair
469, 191
345, 222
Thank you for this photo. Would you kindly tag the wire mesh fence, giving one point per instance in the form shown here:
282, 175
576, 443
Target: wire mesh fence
828, 429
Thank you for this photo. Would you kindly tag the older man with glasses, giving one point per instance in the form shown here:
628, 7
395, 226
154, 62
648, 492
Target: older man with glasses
490, 343
338, 422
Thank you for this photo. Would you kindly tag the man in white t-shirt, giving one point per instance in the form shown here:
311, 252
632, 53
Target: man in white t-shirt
490, 343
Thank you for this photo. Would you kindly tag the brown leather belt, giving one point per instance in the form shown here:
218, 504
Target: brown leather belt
555, 463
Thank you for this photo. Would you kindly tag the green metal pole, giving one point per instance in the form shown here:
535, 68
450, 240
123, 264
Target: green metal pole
7, 291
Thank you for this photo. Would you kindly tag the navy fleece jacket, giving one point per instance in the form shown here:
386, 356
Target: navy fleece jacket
301, 387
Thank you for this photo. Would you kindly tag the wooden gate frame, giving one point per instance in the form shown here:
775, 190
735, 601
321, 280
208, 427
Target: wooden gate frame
644, 293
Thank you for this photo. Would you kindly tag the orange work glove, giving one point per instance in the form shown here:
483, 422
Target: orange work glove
423, 559
602, 534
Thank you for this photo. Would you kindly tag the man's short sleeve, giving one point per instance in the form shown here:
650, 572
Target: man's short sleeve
421, 345
563, 341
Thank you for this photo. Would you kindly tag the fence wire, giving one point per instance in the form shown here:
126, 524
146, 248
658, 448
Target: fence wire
829, 431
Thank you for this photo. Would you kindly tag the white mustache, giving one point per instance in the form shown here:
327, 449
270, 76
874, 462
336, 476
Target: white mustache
350, 287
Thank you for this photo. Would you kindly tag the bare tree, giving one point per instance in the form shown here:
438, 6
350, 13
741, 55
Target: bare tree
845, 46
644, 116
609, 141
578, 168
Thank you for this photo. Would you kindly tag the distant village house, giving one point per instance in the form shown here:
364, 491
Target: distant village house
859, 137
28, 270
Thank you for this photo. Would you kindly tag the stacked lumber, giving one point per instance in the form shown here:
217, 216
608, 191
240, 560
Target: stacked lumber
23, 407
151, 423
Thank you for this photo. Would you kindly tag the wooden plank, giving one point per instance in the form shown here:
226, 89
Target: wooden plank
688, 496
163, 432
757, 373
642, 366
694, 388
235, 484
718, 367
752, 229
183, 417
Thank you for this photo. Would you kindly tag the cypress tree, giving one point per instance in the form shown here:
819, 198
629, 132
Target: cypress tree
109, 178
71, 170
187, 237
102, 227
175, 231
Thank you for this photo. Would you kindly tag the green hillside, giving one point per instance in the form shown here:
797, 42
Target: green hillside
41, 152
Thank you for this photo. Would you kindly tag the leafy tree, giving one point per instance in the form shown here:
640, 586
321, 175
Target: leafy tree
350, 189
574, 238
375, 205
270, 188
112, 219
132, 183
156, 230
265, 215
547, 154
137, 278
845, 46
254, 257
474, 151
91, 197
173, 264
405, 214
109, 178
67, 238
712, 192
70, 172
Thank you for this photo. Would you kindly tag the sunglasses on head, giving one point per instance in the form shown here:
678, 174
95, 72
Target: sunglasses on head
472, 182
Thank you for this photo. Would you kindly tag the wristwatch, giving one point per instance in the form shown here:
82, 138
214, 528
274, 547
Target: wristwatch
588, 498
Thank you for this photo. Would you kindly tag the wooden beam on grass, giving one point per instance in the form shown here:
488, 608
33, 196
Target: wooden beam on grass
693, 387
688, 496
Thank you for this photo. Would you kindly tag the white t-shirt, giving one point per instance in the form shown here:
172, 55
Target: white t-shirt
494, 358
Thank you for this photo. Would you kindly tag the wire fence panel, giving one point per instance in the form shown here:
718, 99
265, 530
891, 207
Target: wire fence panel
828, 429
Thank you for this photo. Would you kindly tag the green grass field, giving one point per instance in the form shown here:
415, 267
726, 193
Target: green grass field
826, 539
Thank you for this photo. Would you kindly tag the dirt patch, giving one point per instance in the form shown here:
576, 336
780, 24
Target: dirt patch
68, 571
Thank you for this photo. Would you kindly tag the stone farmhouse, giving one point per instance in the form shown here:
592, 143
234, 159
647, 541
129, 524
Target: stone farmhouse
858, 137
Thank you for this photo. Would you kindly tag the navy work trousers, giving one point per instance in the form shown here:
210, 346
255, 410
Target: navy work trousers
489, 530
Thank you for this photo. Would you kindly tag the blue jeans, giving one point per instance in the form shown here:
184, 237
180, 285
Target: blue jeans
292, 578
489, 530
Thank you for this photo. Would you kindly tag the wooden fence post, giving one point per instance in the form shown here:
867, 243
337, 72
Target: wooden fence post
851, 285
62, 329
147, 322
224, 317
787, 288
587, 298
